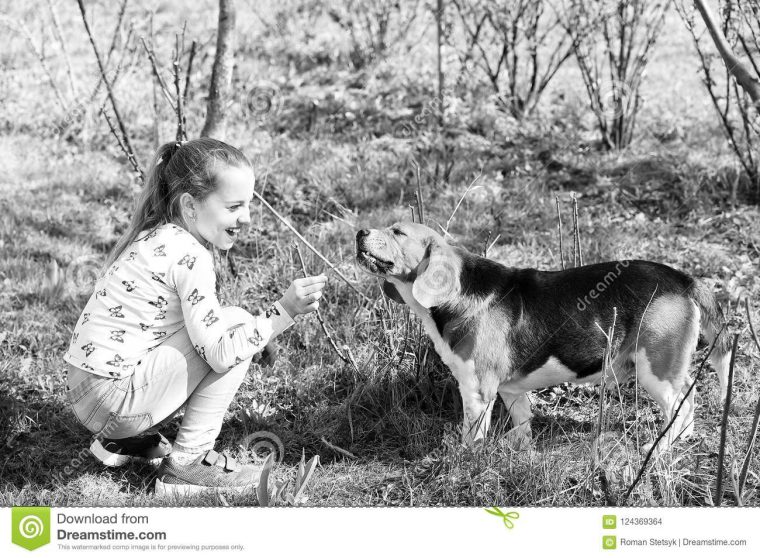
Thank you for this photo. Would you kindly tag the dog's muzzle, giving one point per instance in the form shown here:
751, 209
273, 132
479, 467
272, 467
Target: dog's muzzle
365, 256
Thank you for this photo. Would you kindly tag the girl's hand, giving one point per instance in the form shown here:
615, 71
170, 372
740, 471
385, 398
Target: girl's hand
303, 295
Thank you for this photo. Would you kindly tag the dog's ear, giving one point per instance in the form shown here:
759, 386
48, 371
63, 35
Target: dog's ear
437, 279
391, 292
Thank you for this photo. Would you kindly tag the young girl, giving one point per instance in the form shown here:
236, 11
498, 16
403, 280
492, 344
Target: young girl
153, 336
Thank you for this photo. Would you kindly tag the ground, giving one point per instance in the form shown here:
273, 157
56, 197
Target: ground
324, 136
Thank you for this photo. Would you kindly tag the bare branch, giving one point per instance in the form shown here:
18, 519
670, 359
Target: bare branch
124, 134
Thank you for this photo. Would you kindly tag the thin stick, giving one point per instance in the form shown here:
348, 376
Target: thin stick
724, 426
411, 209
181, 133
606, 364
19, 26
309, 246
753, 431
189, 70
321, 319
119, 65
59, 36
125, 135
559, 232
117, 28
157, 73
337, 449
420, 209
114, 132
460, 199
485, 245
576, 233
672, 420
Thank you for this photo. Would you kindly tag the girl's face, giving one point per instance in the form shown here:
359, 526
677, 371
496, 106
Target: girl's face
220, 217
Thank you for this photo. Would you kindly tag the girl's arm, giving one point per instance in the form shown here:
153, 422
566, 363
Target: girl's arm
224, 337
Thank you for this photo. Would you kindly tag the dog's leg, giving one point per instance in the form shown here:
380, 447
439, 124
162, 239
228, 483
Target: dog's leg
518, 406
477, 402
665, 377
668, 339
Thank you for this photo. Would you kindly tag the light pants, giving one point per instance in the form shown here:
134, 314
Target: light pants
168, 377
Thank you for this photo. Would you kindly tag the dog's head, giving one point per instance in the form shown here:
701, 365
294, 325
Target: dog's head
410, 254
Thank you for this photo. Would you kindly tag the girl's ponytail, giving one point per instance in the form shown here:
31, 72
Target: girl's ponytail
152, 204
176, 169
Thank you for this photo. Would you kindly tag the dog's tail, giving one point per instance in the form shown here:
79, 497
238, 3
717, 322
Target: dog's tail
712, 331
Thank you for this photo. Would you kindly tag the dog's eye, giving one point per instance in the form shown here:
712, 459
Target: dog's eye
398, 232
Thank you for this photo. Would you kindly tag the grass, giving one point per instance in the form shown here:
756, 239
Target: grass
66, 197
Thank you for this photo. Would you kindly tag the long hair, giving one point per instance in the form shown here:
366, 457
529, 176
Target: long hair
176, 169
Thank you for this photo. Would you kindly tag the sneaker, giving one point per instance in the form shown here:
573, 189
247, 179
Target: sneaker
150, 448
208, 472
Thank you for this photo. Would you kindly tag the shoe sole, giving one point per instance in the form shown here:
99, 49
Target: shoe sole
171, 489
110, 459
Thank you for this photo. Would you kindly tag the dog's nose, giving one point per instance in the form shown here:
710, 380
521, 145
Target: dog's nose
361, 234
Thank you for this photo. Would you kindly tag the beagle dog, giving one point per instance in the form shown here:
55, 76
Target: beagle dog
509, 331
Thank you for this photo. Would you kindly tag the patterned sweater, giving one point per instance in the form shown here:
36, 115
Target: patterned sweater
162, 282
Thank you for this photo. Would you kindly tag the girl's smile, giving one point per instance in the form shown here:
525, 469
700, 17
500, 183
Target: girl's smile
220, 217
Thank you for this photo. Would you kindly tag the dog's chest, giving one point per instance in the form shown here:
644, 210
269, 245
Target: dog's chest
461, 367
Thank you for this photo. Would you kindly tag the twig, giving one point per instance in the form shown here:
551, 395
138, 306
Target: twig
116, 29
119, 65
181, 133
189, 70
309, 246
127, 145
113, 131
157, 74
337, 449
576, 235
672, 419
606, 364
420, 210
321, 320
485, 245
724, 426
59, 36
460, 199
559, 230
19, 26
753, 431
